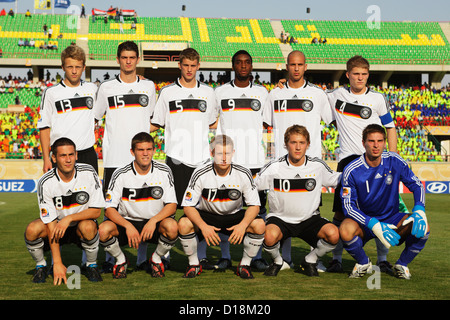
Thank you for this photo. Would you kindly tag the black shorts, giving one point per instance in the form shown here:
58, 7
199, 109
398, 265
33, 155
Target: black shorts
70, 237
181, 176
337, 202
107, 174
221, 221
88, 156
139, 225
262, 194
306, 230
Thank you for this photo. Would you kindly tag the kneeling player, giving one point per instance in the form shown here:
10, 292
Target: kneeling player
295, 185
70, 199
370, 198
213, 202
140, 205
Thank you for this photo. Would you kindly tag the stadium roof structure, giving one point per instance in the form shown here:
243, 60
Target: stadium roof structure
396, 50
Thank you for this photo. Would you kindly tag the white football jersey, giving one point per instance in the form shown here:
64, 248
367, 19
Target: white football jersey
353, 113
58, 199
294, 192
186, 114
141, 197
210, 192
127, 108
68, 112
305, 106
241, 119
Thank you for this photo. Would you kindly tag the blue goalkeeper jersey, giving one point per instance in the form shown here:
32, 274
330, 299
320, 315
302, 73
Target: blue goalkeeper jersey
373, 191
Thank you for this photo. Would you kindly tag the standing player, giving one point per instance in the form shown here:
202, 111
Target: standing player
186, 109
70, 199
127, 102
298, 102
354, 108
66, 110
213, 203
241, 104
140, 205
370, 199
295, 185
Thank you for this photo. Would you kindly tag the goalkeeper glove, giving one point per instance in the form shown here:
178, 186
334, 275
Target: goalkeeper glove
384, 232
419, 220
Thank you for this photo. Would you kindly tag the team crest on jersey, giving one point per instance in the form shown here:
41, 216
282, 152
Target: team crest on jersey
389, 179
157, 192
89, 102
143, 100
307, 105
310, 184
202, 106
255, 105
234, 194
365, 113
108, 197
82, 197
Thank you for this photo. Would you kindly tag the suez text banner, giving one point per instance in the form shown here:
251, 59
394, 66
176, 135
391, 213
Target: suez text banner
30, 186
18, 185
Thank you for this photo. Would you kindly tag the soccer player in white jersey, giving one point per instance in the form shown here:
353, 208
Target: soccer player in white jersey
186, 109
66, 110
70, 199
295, 179
140, 207
297, 102
127, 103
213, 202
370, 199
354, 107
241, 104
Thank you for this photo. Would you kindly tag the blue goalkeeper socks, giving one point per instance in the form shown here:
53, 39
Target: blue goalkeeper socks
413, 246
355, 248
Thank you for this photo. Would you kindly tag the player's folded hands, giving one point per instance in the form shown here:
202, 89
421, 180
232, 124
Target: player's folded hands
419, 220
148, 230
134, 238
210, 235
60, 230
385, 232
237, 235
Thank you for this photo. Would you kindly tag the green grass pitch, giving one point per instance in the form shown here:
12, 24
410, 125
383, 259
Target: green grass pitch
430, 270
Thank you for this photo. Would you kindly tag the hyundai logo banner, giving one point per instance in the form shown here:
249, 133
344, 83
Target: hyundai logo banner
437, 187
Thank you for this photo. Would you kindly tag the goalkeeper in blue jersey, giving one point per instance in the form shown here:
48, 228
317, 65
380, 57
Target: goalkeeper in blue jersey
370, 189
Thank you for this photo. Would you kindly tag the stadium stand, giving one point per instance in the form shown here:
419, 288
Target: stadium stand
215, 39
13, 29
392, 43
